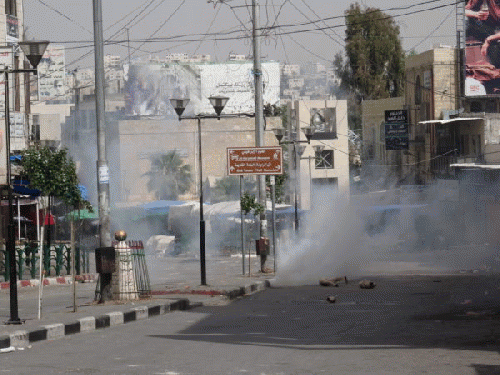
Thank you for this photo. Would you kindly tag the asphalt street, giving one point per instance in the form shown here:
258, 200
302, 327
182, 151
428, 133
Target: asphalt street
405, 325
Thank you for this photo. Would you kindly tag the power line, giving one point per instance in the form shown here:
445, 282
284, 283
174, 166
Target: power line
65, 16
315, 22
163, 24
239, 37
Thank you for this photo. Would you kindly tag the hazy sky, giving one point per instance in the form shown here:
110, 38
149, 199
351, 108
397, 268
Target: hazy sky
179, 26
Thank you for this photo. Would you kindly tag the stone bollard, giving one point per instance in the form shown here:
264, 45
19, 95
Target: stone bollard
123, 281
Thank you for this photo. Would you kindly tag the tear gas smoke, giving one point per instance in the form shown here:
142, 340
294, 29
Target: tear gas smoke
414, 229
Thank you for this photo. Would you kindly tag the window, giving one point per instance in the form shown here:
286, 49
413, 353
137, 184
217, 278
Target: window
464, 144
418, 91
324, 159
490, 106
11, 7
476, 144
35, 128
476, 106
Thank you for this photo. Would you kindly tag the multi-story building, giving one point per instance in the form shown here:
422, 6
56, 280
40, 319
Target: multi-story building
290, 69
11, 32
177, 57
203, 58
235, 57
112, 62
443, 127
380, 166
322, 164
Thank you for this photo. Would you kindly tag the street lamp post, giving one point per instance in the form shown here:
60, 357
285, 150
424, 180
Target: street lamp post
33, 50
298, 150
218, 102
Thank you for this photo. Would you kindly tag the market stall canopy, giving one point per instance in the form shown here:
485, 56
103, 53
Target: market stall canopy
82, 214
161, 206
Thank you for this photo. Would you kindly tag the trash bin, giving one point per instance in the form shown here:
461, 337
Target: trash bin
262, 246
105, 259
105, 266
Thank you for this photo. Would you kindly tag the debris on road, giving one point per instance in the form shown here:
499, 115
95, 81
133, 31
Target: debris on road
366, 284
333, 282
331, 299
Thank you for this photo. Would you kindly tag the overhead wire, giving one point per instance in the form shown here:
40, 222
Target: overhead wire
323, 31
163, 24
239, 37
65, 16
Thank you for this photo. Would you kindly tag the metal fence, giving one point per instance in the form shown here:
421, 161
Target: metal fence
139, 266
56, 260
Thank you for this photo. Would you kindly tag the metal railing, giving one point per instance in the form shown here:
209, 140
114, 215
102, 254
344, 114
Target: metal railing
56, 260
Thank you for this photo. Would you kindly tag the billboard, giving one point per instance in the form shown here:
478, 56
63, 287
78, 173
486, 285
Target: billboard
149, 87
12, 32
236, 81
51, 74
254, 160
324, 123
482, 48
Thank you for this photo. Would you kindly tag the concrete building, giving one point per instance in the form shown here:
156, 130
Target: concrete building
46, 123
112, 62
177, 57
324, 163
379, 163
235, 57
203, 58
139, 141
290, 69
11, 32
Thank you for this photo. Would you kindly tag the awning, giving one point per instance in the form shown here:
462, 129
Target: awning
447, 121
472, 165
23, 187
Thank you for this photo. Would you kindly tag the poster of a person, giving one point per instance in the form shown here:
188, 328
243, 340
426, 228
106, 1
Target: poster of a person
482, 43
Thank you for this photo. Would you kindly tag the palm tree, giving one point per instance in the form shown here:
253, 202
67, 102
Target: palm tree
169, 176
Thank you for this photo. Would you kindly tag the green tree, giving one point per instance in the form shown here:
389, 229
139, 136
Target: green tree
249, 204
373, 67
228, 188
375, 58
53, 172
169, 176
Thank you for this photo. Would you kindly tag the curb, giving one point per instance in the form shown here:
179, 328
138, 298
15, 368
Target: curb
231, 294
50, 281
23, 338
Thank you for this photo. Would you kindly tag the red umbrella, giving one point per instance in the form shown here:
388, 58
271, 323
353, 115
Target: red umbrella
49, 219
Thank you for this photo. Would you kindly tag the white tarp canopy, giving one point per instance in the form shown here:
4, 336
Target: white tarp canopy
447, 121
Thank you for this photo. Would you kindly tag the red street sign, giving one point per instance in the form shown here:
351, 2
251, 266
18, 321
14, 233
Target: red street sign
254, 160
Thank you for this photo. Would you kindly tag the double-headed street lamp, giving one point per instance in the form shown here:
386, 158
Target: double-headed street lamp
298, 150
179, 104
33, 50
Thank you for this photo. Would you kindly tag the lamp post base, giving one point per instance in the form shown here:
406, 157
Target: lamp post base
14, 321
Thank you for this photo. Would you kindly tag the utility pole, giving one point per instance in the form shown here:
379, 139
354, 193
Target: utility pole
259, 117
102, 164
128, 46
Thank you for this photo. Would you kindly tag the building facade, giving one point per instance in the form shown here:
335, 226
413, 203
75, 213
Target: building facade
323, 163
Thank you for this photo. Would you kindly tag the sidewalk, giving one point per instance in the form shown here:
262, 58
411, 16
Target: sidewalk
175, 284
